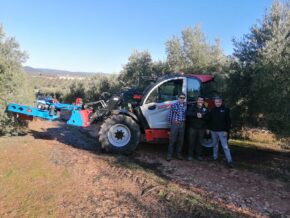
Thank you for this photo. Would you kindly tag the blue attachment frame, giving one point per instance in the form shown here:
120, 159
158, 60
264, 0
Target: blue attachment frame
49, 101
31, 111
68, 107
75, 119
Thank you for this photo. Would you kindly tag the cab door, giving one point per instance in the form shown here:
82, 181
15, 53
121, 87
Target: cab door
157, 102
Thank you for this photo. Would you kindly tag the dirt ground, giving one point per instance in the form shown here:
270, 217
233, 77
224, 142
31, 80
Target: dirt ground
59, 171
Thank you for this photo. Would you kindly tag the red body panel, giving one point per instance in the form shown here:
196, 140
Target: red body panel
203, 78
153, 134
85, 117
25, 117
79, 101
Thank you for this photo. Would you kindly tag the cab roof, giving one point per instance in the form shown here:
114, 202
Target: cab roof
204, 78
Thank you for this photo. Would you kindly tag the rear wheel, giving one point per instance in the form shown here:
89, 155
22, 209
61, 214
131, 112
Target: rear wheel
119, 134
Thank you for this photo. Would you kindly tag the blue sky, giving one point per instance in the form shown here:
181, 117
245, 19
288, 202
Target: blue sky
100, 35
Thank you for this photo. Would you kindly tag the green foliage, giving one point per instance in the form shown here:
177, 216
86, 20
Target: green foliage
261, 71
141, 70
193, 54
14, 85
97, 86
76, 90
190, 54
160, 68
93, 88
52, 86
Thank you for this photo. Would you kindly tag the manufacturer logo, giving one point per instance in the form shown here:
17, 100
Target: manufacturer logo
164, 106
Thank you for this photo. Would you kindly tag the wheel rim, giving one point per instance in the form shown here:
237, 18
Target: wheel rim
119, 135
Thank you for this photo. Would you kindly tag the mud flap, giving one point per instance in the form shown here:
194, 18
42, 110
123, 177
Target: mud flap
25, 117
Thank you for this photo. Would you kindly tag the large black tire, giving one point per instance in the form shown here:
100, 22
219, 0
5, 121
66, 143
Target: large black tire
119, 134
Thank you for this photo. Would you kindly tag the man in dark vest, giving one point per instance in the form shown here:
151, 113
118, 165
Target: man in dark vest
196, 117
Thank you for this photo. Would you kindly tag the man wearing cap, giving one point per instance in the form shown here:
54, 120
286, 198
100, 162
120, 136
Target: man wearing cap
176, 119
219, 124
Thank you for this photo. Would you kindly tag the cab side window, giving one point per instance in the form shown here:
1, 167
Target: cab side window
193, 89
167, 91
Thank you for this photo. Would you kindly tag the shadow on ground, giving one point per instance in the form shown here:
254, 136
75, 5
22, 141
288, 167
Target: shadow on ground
68, 135
271, 164
267, 163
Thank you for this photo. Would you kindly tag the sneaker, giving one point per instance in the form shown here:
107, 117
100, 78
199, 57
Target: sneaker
168, 158
189, 158
179, 157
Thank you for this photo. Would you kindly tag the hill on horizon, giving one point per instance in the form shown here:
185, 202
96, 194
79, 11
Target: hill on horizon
55, 72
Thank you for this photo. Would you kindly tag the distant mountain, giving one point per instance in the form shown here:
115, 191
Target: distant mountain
54, 72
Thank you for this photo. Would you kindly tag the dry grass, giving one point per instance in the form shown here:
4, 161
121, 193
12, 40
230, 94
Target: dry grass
42, 178
258, 135
30, 184
258, 138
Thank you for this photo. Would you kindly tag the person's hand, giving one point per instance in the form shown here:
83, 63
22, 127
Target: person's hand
226, 134
207, 131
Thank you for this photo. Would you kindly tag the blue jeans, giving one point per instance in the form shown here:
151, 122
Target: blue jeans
220, 135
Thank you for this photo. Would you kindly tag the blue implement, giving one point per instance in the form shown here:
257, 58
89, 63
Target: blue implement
31, 111
68, 107
78, 117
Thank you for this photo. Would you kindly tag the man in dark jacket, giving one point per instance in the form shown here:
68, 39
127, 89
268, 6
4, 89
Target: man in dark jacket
219, 124
196, 117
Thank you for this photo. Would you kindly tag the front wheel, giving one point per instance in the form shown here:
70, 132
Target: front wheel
119, 134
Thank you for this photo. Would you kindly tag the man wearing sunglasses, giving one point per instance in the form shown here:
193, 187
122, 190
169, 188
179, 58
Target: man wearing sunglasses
176, 119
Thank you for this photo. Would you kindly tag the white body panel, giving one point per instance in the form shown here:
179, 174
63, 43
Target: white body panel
156, 113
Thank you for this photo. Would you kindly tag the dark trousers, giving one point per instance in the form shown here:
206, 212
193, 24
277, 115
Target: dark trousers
194, 140
176, 137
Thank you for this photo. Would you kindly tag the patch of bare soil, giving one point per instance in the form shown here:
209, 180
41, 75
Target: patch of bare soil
238, 189
58, 170
258, 185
